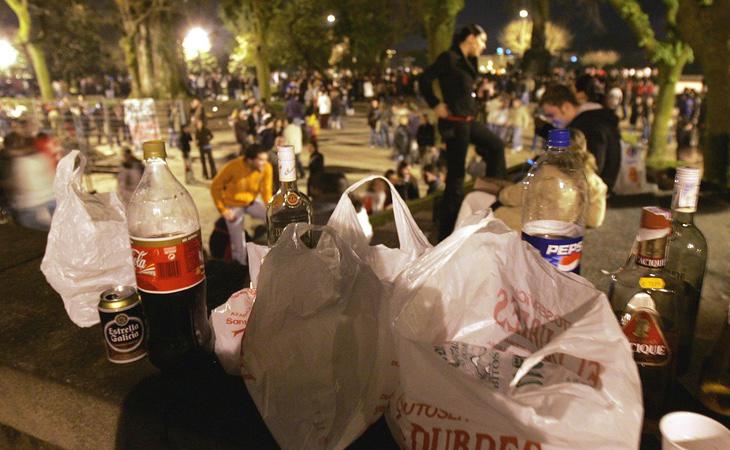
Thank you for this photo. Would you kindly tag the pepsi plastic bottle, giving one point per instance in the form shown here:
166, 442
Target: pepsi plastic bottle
554, 202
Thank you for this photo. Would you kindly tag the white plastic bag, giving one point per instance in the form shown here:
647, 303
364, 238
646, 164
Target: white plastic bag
386, 262
256, 254
229, 325
631, 177
310, 349
88, 246
498, 349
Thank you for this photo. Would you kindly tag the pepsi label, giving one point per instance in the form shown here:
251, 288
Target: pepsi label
563, 253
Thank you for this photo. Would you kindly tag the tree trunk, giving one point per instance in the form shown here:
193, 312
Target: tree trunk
716, 148
537, 58
439, 36
541, 15
24, 38
167, 63
263, 73
130, 60
43, 78
668, 77
439, 20
705, 27
144, 62
260, 50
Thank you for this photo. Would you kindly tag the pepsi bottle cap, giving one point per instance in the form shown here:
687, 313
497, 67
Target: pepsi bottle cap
559, 137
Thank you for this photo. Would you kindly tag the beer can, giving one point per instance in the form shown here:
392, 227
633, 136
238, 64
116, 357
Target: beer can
123, 324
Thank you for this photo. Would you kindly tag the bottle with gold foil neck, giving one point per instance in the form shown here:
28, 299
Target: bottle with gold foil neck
288, 205
648, 302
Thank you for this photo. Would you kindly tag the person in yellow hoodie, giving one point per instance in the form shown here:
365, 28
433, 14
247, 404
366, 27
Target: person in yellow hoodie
236, 190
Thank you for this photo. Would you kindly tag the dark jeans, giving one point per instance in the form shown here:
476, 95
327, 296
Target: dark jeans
206, 152
458, 136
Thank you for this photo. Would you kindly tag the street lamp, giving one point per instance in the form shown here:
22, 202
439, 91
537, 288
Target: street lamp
523, 13
8, 54
331, 18
196, 43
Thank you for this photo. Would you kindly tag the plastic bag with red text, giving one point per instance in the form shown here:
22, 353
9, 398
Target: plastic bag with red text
497, 349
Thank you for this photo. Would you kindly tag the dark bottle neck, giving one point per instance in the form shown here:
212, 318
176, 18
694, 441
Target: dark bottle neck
287, 186
682, 216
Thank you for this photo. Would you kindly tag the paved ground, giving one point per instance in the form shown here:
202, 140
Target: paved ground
58, 390
346, 150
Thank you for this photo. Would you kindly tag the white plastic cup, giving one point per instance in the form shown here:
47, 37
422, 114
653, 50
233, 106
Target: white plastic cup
683, 430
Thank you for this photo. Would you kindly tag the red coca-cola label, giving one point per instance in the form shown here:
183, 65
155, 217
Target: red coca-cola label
168, 264
646, 338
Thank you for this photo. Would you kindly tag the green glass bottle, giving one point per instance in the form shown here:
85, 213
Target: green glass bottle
687, 253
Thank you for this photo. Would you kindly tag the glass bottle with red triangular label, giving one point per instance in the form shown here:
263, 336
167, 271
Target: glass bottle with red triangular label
648, 301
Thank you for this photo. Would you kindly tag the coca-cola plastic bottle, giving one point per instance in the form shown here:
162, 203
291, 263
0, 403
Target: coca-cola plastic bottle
168, 256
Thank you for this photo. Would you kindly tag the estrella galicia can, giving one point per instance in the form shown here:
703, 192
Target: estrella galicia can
123, 324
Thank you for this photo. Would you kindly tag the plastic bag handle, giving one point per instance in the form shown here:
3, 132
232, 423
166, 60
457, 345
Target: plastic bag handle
344, 219
293, 233
442, 253
562, 344
292, 237
68, 174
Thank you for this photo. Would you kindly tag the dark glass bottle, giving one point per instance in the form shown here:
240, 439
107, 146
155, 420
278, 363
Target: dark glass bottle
648, 302
288, 205
687, 253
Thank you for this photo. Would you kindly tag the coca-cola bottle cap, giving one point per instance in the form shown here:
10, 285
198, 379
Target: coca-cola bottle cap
154, 149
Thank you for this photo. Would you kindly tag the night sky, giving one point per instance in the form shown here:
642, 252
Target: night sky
612, 33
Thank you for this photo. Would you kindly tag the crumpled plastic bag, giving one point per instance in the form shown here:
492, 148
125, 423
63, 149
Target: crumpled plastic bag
88, 247
229, 327
311, 344
256, 255
385, 262
498, 349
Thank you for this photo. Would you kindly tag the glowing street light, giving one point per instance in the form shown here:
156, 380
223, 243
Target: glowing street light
8, 54
331, 18
196, 43
523, 13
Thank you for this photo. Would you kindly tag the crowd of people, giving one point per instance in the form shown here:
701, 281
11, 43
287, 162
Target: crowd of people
494, 112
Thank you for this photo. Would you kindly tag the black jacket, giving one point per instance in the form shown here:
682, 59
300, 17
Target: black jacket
408, 190
316, 163
603, 137
457, 76
426, 135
